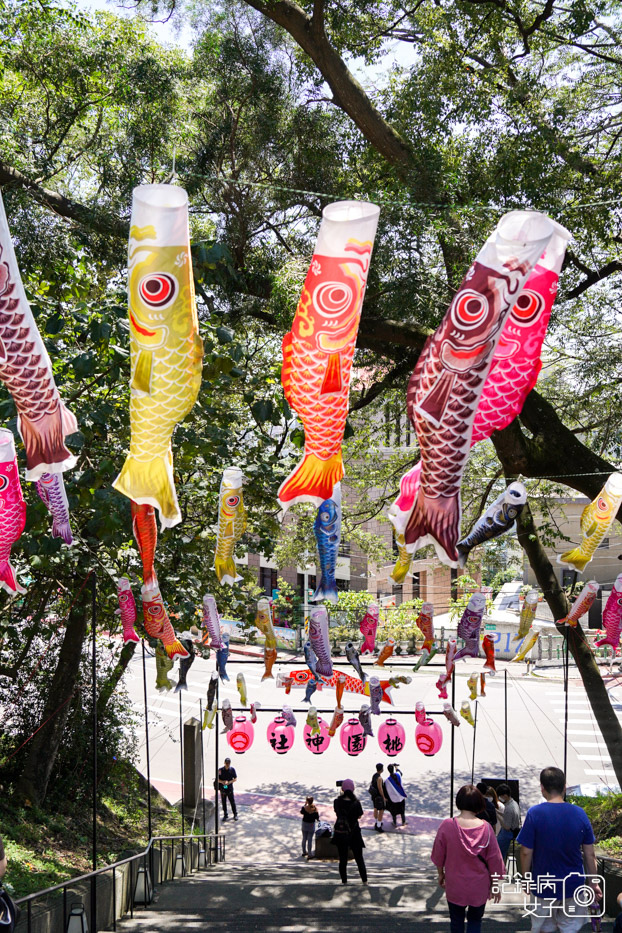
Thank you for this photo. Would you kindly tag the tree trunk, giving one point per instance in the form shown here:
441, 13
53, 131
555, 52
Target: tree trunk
43, 748
109, 686
588, 669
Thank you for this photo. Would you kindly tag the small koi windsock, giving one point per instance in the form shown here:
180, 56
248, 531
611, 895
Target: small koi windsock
254, 708
312, 720
420, 714
340, 687
465, 712
451, 714
336, 720
482, 684
472, 685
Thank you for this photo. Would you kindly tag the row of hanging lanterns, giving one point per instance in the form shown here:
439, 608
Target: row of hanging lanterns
353, 737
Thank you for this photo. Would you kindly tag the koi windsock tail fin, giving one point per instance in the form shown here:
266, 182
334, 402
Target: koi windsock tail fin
435, 521
463, 553
176, 650
152, 484
604, 641
401, 510
129, 635
575, 558
8, 580
62, 530
226, 571
313, 480
327, 589
44, 442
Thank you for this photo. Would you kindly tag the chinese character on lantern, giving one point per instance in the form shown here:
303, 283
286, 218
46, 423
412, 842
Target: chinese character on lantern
391, 737
280, 735
319, 742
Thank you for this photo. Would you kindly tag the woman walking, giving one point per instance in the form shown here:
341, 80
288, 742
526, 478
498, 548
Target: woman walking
467, 856
309, 817
347, 832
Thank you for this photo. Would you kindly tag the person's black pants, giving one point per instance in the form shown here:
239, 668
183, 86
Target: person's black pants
357, 852
473, 916
228, 795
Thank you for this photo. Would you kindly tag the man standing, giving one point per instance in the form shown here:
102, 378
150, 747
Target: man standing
376, 792
395, 794
556, 840
509, 819
226, 779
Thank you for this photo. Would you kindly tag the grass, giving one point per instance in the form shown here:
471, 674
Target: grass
605, 815
50, 844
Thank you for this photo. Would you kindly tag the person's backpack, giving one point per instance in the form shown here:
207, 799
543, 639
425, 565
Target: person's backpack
341, 831
373, 787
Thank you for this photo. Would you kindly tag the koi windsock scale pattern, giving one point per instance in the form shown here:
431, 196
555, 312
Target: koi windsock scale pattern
43, 421
165, 348
612, 616
231, 525
596, 520
448, 381
12, 511
318, 351
516, 363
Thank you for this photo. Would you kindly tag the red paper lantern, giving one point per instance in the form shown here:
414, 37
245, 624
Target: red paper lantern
352, 737
319, 742
241, 737
391, 737
280, 735
429, 737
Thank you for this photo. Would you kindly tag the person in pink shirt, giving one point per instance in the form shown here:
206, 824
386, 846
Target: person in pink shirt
468, 858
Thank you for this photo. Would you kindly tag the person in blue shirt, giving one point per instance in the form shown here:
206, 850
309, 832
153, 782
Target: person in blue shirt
556, 842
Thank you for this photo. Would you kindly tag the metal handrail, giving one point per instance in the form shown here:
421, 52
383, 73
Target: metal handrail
26, 902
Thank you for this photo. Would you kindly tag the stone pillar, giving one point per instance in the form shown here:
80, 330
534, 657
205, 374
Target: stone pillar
192, 762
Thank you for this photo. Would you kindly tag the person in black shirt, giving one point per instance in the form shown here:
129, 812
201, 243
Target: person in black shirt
347, 832
489, 814
226, 779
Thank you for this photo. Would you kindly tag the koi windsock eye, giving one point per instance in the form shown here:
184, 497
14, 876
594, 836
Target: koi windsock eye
332, 298
4, 483
158, 290
528, 308
469, 309
232, 501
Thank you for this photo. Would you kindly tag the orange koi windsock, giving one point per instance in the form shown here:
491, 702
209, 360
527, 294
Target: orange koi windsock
318, 351
581, 604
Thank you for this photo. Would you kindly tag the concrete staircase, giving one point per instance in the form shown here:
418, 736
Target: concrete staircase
305, 898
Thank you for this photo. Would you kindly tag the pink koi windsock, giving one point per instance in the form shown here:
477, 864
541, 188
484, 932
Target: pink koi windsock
12, 511
612, 616
127, 610
441, 685
368, 628
515, 366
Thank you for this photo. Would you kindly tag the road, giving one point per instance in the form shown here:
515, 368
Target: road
535, 734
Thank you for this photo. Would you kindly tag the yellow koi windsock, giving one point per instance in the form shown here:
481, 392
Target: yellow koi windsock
231, 525
596, 520
528, 644
165, 347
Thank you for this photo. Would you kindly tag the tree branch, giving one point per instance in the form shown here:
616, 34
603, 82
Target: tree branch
596, 275
94, 218
348, 94
377, 388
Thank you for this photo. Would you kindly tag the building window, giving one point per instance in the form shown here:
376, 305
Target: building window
267, 580
416, 586
310, 583
567, 577
344, 549
397, 594
343, 586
